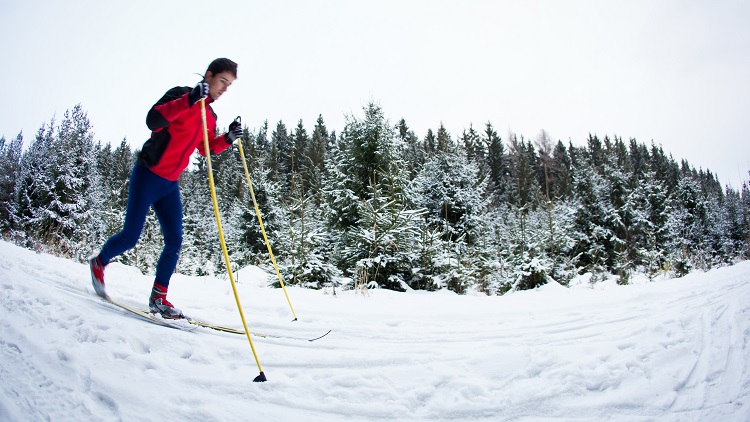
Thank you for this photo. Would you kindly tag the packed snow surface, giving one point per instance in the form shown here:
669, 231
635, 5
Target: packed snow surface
669, 350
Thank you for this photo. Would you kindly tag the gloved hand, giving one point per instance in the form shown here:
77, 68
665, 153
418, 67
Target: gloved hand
235, 131
200, 91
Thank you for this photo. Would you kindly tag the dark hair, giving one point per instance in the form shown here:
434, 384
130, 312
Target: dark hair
222, 65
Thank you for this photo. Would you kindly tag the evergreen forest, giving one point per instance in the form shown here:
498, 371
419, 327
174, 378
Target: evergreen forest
377, 206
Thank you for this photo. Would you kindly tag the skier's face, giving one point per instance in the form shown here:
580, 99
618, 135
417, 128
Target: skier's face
218, 83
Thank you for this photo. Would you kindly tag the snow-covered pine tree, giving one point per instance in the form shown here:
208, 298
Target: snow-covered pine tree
443, 140
734, 228
10, 172
268, 194
430, 143
300, 142
647, 207
654, 238
79, 189
366, 195
717, 226
59, 194
313, 265
473, 146
592, 231
550, 219
358, 154
279, 160
231, 192
455, 198
745, 201
381, 246
497, 162
114, 170
257, 146
200, 249
622, 213
531, 266
480, 262
425, 273
560, 186
685, 225
413, 151
340, 204
300, 251
33, 189
665, 168
315, 157
543, 143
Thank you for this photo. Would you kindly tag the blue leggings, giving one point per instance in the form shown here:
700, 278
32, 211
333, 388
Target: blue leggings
149, 190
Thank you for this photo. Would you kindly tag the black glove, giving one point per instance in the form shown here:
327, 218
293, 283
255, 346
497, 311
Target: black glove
235, 131
200, 91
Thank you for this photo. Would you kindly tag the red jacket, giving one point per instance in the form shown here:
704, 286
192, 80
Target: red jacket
176, 132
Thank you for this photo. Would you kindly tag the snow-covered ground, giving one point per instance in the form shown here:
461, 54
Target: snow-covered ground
672, 350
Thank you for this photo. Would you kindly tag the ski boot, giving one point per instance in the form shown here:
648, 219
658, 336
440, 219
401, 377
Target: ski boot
97, 276
158, 303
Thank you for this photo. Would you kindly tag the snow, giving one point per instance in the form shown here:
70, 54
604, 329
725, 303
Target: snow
669, 350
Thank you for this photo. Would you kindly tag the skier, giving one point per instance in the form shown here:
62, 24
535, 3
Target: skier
176, 125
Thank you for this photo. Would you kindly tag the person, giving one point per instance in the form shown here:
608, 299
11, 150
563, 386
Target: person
176, 132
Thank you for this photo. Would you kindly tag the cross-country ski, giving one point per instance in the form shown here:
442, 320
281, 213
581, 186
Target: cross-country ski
187, 323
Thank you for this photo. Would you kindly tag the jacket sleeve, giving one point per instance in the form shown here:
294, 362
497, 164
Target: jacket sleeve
216, 144
171, 106
220, 144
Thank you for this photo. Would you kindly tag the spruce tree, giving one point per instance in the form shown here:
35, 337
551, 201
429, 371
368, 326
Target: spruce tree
497, 161
561, 172
745, 205
315, 158
76, 192
279, 159
260, 146
685, 248
414, 153
33, 189
593, 232
200, 254
365, 195
302, 254
10, 172
443, 140
430, 143
456, 203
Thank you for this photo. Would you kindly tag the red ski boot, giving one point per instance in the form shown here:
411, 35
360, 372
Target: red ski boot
97, 276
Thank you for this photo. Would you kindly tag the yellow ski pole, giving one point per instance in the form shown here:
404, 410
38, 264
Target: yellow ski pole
260, 221
262, 376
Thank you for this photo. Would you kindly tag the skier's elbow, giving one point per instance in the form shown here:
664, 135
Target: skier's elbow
155, 121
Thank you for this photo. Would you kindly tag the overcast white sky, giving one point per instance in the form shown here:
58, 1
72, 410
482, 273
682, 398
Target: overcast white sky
673, 71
